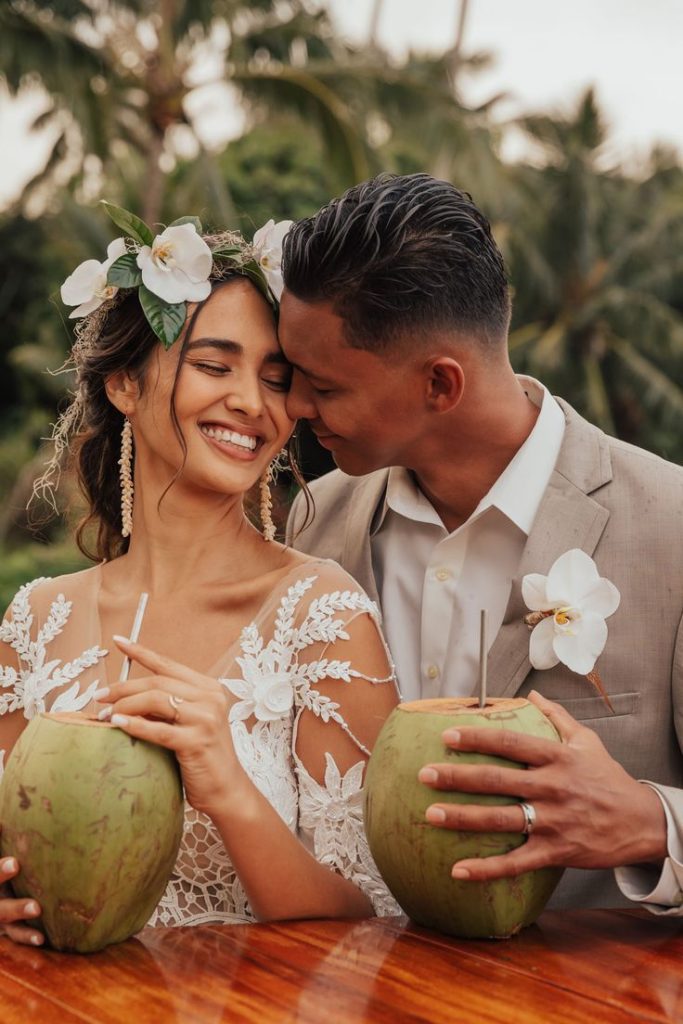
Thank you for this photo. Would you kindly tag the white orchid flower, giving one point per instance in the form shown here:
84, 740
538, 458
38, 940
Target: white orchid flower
268, 250
177, 266
87, 287
574, 601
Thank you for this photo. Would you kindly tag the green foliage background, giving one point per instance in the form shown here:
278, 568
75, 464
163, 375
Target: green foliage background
595, 252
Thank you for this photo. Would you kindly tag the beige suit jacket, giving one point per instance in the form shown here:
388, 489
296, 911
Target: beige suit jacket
624, 507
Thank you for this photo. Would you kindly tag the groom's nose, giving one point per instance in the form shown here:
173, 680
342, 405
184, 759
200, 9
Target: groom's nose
300, 399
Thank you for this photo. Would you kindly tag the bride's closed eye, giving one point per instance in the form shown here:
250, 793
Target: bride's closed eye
217, 369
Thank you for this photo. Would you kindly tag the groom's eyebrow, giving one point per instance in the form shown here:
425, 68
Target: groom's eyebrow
232, 347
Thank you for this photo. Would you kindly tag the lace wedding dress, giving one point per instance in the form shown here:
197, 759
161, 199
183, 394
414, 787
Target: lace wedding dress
302, 635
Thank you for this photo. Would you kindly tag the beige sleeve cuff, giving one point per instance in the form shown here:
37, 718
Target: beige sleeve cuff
660, 891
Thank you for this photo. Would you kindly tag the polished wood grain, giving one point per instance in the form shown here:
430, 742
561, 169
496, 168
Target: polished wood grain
617, 967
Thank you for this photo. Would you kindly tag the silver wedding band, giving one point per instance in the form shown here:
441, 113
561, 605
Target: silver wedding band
529, 818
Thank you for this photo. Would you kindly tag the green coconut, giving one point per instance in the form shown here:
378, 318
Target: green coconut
94, 818
415, 858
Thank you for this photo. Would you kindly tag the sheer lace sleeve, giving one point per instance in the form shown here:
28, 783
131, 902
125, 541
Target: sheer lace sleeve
316, 679
351, 690
34, 675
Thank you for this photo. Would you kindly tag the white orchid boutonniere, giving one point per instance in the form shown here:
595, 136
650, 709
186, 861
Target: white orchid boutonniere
568, 611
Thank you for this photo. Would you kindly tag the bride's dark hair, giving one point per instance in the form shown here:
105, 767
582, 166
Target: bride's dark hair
114, 338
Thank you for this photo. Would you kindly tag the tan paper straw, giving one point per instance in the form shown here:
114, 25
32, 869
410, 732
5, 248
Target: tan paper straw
483, 656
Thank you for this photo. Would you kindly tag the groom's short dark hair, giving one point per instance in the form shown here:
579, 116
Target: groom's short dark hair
401, 255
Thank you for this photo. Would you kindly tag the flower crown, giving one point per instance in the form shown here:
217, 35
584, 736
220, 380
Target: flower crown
172, 268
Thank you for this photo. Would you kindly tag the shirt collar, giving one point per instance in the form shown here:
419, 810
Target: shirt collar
517, 492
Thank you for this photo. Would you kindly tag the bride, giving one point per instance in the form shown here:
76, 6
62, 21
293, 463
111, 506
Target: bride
262, 668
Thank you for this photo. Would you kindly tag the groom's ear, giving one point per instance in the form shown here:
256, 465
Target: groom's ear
445, 379
123, 391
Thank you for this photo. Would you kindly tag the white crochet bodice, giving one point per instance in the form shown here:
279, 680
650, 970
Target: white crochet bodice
272, 670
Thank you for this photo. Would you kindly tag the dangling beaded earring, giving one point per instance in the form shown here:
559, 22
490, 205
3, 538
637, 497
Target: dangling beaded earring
266, 506
126, 478
266, 503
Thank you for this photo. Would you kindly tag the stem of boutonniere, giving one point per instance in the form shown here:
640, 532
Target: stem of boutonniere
483, 658
533, 618
594, 678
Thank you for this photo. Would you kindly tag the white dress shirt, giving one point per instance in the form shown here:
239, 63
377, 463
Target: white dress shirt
433, 584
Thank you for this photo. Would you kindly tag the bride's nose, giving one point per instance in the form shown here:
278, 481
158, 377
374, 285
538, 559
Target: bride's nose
245, 396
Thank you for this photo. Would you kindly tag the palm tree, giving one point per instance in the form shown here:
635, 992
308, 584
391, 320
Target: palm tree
118, 74
594, 260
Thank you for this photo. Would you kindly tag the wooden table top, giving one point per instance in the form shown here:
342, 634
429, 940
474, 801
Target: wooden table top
581, 966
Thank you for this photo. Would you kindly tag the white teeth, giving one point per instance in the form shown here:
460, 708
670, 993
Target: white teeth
243, 440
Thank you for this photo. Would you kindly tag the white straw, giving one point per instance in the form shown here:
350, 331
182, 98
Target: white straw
134, 634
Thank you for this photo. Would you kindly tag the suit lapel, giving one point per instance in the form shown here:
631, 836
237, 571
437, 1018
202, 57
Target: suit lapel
356, 555
567, 518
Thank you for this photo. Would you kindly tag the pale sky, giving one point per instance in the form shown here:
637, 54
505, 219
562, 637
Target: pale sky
546, 53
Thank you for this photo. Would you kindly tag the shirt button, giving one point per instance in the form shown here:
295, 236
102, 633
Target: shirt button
443, 574
432, 672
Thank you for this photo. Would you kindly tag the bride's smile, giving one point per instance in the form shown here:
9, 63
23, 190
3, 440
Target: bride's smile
211, 413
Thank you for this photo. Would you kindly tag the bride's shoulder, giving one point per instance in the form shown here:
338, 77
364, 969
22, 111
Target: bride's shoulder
315, 578
39, 595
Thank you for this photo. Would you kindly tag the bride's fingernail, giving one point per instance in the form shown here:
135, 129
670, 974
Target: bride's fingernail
99, 694
435, 815
104, 714
9, 866
120, 720
121, 639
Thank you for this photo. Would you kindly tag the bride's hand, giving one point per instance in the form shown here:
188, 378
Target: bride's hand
185, 711
16, 914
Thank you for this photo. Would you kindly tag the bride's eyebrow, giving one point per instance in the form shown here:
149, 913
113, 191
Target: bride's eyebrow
234, 348
222, 344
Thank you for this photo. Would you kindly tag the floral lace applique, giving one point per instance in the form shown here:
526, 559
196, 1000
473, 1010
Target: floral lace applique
333, 817
274, 679
37, 677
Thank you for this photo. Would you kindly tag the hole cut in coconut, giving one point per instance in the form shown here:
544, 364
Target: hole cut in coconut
463, 705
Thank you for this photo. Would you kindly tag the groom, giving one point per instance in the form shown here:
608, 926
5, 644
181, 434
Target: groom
456, 478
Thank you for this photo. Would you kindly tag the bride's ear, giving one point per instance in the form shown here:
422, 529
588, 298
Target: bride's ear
122, 391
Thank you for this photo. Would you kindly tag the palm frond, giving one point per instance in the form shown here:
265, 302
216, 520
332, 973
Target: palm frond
597, 399
658, 387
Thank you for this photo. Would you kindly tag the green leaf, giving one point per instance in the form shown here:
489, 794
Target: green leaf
125, 272
129, 223
232, 252
253, 271
187, 220
165, 318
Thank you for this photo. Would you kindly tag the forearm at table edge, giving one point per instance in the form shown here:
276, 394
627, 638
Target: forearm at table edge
281, 878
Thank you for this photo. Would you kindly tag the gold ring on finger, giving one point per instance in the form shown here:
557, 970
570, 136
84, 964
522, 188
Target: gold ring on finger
175, 703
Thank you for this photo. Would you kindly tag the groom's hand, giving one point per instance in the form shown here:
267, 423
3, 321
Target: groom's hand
590, 813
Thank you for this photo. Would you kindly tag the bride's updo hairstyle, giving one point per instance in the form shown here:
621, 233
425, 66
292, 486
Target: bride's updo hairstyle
116, 337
